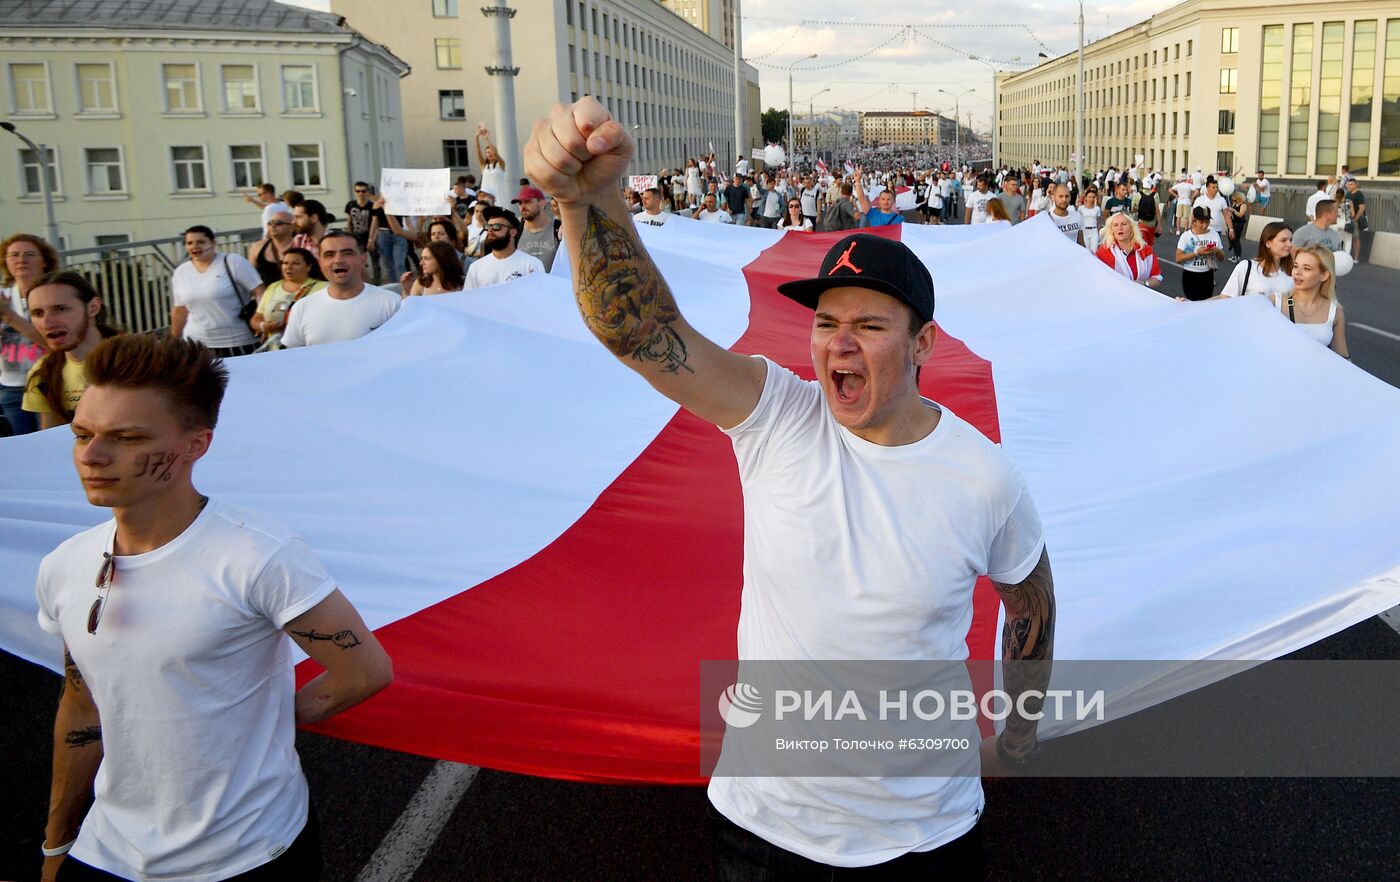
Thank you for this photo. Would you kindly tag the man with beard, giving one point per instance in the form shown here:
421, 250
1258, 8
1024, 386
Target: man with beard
537, 239
348, 308
1066, 216
653, 213
311, 219
69, 315
502, 260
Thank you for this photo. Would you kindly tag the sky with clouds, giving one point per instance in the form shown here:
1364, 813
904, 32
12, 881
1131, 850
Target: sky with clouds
909, 54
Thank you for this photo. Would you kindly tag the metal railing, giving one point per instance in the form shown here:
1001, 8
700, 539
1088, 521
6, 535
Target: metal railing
134, 277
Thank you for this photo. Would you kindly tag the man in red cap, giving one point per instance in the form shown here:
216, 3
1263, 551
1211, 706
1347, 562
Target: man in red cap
537, 239
869, 513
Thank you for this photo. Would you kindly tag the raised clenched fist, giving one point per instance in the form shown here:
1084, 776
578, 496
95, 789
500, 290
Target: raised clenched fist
579, 151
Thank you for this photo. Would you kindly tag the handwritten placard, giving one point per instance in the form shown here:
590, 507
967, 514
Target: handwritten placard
641, 183
416, 192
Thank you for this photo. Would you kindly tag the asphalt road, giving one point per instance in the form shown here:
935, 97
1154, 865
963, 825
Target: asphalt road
510, 826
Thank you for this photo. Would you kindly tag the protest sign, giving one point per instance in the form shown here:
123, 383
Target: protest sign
416, 192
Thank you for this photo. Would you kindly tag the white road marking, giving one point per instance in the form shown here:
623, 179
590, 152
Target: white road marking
1373, 331
407, 843
1392, 618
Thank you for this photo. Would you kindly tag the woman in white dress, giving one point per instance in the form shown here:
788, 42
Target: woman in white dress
1090, 211
1271, 271
1313, 306
693, 190
493, 168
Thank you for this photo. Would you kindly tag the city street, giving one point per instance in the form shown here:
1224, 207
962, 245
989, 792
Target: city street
391, 816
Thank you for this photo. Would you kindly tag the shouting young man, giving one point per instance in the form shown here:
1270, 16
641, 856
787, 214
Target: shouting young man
178, 714
830, 470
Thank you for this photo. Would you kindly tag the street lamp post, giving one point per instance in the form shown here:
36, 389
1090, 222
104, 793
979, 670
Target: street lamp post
42, 156
1079, 116
812, 115
789, 131
957, 127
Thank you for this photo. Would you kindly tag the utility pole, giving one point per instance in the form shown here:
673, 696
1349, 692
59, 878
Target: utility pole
507, 143
741, 90
1079, 117
41, 154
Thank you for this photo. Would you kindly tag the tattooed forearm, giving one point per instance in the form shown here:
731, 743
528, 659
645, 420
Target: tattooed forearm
624, 300
343, 639
83, 737
1027, 647
71, 675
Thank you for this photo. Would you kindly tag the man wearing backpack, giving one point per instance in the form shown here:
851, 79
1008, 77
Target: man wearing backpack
1146, 210
842, 214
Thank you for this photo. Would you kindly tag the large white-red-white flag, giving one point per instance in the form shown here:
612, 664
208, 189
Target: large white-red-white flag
548, 548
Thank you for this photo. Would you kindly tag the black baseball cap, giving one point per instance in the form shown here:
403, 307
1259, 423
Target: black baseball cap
862, 260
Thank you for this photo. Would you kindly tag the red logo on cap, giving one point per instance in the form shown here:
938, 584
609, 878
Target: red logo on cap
845, 261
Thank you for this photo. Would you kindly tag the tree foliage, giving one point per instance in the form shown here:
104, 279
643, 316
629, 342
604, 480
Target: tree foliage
775, 126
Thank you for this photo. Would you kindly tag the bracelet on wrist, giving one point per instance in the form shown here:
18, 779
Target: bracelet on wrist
55, 852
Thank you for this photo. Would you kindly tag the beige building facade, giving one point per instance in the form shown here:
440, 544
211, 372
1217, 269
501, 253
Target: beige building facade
714, 17
909, 127
1297, 88
151, 126
658, 73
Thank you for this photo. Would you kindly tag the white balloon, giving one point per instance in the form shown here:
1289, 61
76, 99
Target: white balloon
1343, 261
774, 154
1227, 186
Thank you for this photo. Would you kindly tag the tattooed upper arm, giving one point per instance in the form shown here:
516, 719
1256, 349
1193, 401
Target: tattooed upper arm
627, 305
1029, 633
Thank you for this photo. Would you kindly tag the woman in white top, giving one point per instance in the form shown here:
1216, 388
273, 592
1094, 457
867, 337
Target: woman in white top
693, 190
794, 220
28, 258
1313, 306
207, 293
493, 167
1271, 271
1090, 211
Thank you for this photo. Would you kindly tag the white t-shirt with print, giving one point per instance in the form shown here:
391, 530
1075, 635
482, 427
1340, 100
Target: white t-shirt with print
492, 270
1191, 243
1219, 207
192, 676
320, 318
213, 302
853, 550
652, 220
1071, 224
977, 201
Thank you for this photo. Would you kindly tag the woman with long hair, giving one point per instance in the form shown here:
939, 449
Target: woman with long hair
1312, 306
440, 270
1238, 218
997, 213
1123, 251
296, 283
27, 259
794, 220
1089, 213
208, 293
493, 167
693, 188
1271, 270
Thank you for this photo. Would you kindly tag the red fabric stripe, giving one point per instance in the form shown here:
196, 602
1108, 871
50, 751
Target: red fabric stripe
583, 661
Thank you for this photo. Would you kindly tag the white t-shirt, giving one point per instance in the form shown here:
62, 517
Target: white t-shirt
718, 216
809, 201
1262, 186
653, 220
1313, 200
320, 318
1279, 282
1190, 242
1219, 207
1070, 224
193, 678
853, 550
213, 302
977, 201
17, 352
1183, 192
492, 270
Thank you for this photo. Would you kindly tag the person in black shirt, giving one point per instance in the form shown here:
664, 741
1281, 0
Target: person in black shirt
736, 198
358, 214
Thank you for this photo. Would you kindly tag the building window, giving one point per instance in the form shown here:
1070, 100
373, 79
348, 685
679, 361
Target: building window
1329, 99
181, 88
1363, 76
29, 88
1188, 47
1300, 99
1227, 122
104, 171
1225, 161
1188, 84
240, 88
444, 8
1270, 97
97, 88
247, 160
1229, 40
452, 104
457, 153
306, 164
298, 88
1229, 80
29, 172
113, 241
449, 53
1389, 159
1186, 124
190, 169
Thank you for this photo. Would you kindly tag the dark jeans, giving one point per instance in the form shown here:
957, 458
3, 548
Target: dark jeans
18, 421
301, 862
744, 857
